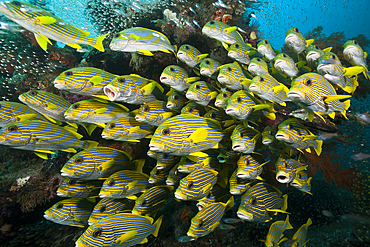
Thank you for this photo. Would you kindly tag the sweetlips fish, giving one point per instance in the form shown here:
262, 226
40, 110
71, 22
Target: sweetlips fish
52, 106
242, 104
257, 67
208, 218
266, 50
108, 206
222, 98
295, 40
190, 55
217, 194
231, 76
11, 112
158, 176
222, 32
70, 212
127, 129
317, 96
175, 100
268, 88
285, 65
313, 53
196, 185
245, 139
42, 137
241, 52
166, 161
260, 200
275, 235
45, 26
201, 93
185, 134
97, 163
152, 200
294, 134
249, 167
132, 89
190, 163
226, 153
124, 184
287, 169
141, 40
94, 111
301, 234
302, 182
238, 185
154, 113
123, 229
354, 54
209, 67
78, 188
219, 116
331, 68
177, 78
86, 81
193, 108
174, 176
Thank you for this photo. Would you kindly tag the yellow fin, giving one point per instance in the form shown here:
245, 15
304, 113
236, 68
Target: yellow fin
41, 41
332, 115
139, 165
145, 240
191, 79
134, 36
300, 64
318, 147
73, 131
25, 117
99, 42
106, 165
158, 225
355, 70
76, 46
278, 88
202, 56
42, 155
310, 116
132, 185
44, 151
214, 226
145, 52
246, 82
126, 237
230, 29
51, 106
133, 129
100, 97
101, 125
45, 20
309, 137
91, 144
328, 49
95, 80
260, 106
283, 104
122, 106
132, 197
198, 154
100, 111
199, 135
70, 150
213, 95
329, 98
309, 42
166, 115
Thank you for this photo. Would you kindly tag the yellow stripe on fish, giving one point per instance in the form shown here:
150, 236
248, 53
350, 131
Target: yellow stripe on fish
275, 235
79, 188
231, 76
222, 32
249, 167
154, 113
190, 55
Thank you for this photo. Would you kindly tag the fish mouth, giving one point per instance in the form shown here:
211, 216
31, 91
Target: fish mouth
151, 181
70, 116
90, 223
139, 118
280, 63
191, 96
105, 136
164, 79
200, 207
205, 72
232, 111
218, 103
182, 170
65, 174
295, 95
323, 68
112, 92
168, 182
59, 84
235, 192
22, 99
232, 54
156, 147
282, 137
294, 184
170, 105
351, 49
242, 175
244, 216
266, 142
312, 56
238, 148
60, 193
254, 88
222, 79
102, 195
47, 216
159, 167
292, 38
282, 177
180, 196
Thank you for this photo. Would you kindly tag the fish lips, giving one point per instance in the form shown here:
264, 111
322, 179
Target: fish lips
282, 137
255, 89
243, 175
235, 192
283, 177
223, 79
295, 95
313, 56
180, 196
218, 103
59, 84
155, 147
245, 216
111, 92
205, 72
191, 96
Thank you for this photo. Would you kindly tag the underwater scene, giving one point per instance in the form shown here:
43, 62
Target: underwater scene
222, 123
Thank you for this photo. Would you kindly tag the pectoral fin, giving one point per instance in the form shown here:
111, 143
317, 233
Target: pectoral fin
145, 52
95, 80
45, 20
126, 237
328, 98
197, 136
100, 111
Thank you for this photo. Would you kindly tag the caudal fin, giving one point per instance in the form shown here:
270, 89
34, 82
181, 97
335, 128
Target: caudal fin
99, 42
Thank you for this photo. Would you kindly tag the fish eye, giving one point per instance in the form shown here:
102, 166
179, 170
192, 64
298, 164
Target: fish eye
146, 108
111, 183
75, 106
200, 224
241, 135
60, 205
187, 47
121, 80
308, 82
355, 42
143, 203
286, 165
238, 99
212, 22
172, 69
79, 160
296, 30
68, 73
166, 131
176, 173
289, 127
175, 97
316, 47
211, 115
229, 69
261, 79
12, 128
112, 125
72, 182
266, 42
191, 109
333, 56
224, 95
284, 55
258, 60
190, 185
299, 176
97, 233
197, 87
117, 35
254, 201
33, 93
16, 3
102, 209
236, 45
207, 62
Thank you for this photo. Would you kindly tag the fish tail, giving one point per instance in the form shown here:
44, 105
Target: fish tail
230, 203
99, 42
318, 147
158, 225
139, 165
285, 206
90, 144
347, 104
309, 222
288, 225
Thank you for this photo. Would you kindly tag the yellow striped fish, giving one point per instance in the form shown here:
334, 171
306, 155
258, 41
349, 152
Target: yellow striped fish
193, 108
122, 229
132, 89
196, 185
222, 32
166, 161
222, 98
152, 200
176, 77
154, 113
240, 52
86, 81
295, 41
201, 93
174, 176
208, 160
249, 167
219, 116
355, 55
79, 188
158, 176
184, 134
296, 135
317, 96
45, 26
266, 50
231, 76
11, 112
302, 182
217, 194
209, 68
238, 185
70, 212
127, 129
275, 235
108, 206
287, 169
190, 55
141, 40
97, 163
244, 139
285, 65
257, 67
175, 101
313, 53
301, 235
227, 155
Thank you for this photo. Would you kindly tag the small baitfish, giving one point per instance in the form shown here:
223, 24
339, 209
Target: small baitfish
201, 93
285, 65
209, 67
266, 50
268, 88
207, 160
294, 134
185, 134
141, 40
123, 229
301, 235
193, 108
196, 185
97, 163
154, 113
241, 52
86, 81
244, 139
231, 76
190, 55
174, 176
302, 182
70, 212
79, 188
249, 167
317, 96
158, 176
287, 169
177, 78
175, 100
275, 235
152, 200
44, 25
108, 206
260, 201
132, 89
222, 98
127, 129
355, 55
11, 112
257, 67
95, 111
222, 32
42, 137
295, 40
238, 185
